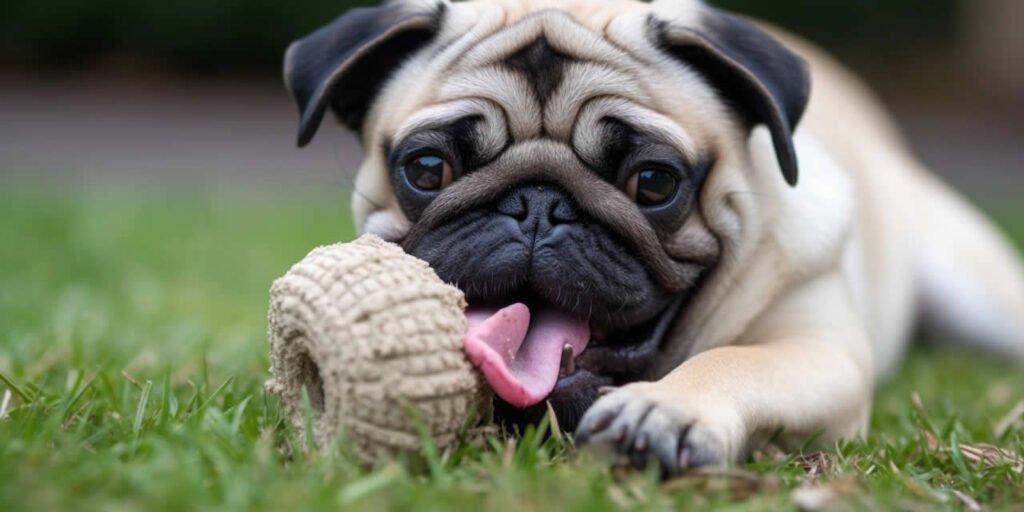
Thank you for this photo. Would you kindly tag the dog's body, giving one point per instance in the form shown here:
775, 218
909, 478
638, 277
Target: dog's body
615, 165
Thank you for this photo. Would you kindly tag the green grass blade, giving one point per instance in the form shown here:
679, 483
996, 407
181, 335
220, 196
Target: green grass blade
307, 420
77, 396
369, 484
23, 395
165, 399
958, 458
213, 395
140, 409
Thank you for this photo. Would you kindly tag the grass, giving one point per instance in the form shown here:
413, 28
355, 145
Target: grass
133, 353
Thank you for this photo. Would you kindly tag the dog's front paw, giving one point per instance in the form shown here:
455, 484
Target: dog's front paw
640, 426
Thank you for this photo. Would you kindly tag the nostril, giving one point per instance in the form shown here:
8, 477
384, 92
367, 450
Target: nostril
514, 206
562, 212
538, 206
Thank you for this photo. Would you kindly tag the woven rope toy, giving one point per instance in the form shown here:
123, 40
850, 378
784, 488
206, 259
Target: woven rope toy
371, 331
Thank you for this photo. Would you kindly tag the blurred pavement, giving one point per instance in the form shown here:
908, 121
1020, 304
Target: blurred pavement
233, 131
165, 131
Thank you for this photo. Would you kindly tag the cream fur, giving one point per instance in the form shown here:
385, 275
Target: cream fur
818, 286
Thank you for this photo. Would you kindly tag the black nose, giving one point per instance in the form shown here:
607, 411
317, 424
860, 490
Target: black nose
538, 208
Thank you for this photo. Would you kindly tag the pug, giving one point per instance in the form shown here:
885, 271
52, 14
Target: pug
688, 232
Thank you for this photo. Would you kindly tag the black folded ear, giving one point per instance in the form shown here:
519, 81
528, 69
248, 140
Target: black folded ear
766, 82
344, 64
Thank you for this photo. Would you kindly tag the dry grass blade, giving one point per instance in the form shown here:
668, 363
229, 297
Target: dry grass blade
922, 420
556, 429
770, 454
509, 455
817, 464
824, 496
619, 497
740, 484
979, 453
968, 502
1013, 420
131, 379
481, 433
5, 404
990, 455
915, 398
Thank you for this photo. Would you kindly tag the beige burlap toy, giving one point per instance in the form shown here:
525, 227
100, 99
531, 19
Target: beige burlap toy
376, 338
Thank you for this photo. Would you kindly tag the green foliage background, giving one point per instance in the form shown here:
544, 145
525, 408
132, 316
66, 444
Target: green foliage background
229, 35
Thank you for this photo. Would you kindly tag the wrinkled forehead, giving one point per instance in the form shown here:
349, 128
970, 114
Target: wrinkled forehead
565, 34
547, 65
594, 15
546, 75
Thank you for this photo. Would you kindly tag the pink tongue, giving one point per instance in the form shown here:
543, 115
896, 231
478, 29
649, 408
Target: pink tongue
520, 358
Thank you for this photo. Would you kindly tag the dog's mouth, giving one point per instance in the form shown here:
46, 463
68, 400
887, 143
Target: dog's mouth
530, 350
522, 350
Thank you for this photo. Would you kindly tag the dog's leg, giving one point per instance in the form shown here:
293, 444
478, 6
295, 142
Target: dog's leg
971, 281
803, 371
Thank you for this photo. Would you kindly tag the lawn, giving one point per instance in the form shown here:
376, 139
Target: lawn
133, 353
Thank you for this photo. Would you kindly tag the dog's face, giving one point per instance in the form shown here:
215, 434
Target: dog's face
567, 164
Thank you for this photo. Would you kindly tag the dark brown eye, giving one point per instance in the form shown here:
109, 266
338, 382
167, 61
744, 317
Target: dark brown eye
652, 187
428, 172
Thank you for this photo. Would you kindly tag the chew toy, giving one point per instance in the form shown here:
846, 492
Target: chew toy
375, 337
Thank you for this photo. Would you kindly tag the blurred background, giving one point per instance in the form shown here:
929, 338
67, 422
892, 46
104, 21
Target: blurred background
188, 92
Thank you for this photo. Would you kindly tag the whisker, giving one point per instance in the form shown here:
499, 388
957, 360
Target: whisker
367, 198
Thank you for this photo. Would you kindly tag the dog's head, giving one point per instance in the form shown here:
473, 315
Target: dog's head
566, 163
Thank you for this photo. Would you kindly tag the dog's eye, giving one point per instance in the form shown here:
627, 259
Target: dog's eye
428, 172
652, 187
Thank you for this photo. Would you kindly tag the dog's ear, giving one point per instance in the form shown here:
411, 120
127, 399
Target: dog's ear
344, 64
766, 82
